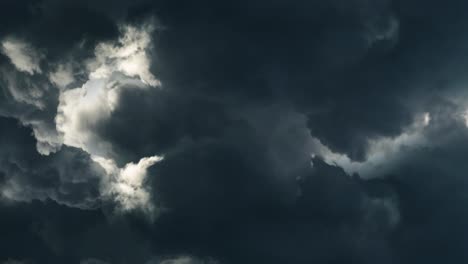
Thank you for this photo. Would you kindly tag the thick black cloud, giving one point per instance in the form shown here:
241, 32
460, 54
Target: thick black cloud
69, 176
318, 55
44, 232
431, 185
168, 119
232, 213
247, 86
303, 52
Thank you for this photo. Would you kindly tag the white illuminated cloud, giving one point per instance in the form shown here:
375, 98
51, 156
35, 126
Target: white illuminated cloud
124, 63
426, 119
129, 56
23, 56
116, 66
80, 110
126, 185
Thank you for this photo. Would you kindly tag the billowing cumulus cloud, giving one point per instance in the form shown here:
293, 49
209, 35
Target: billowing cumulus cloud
127, 185
114, 66
181, 132
128, 55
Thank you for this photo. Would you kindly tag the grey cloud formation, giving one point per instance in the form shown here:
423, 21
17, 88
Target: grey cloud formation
22, 55
182, 132
68, 176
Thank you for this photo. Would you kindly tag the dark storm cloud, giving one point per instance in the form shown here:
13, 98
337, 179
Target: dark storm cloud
287, 52
68, 177
317, 55
248, 89
167, 117
431, 185
32, 100
230, 212
44, 232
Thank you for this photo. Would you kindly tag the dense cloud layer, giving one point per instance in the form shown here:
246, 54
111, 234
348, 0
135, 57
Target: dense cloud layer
202, 132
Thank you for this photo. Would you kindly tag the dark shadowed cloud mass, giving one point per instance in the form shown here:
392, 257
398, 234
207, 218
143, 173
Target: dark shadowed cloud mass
241, 132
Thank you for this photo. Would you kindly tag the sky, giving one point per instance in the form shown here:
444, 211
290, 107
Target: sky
233, 132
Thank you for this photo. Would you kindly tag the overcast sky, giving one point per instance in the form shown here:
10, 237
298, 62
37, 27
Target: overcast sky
233, 132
